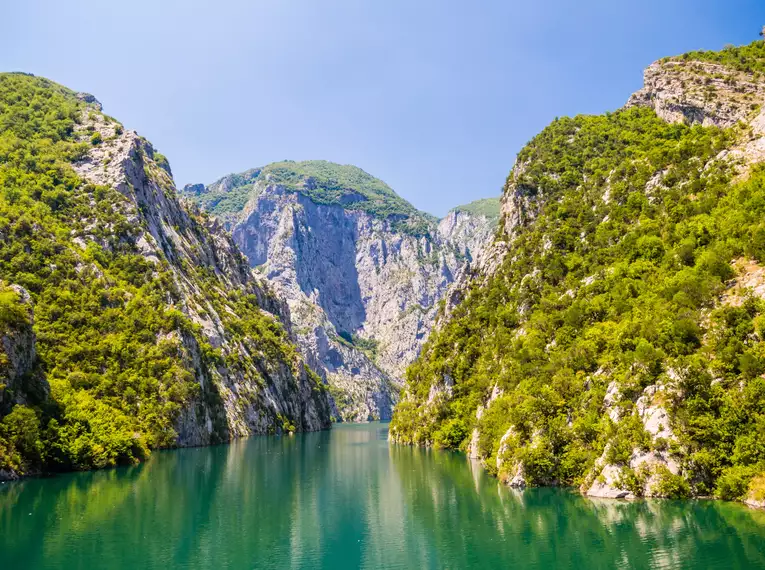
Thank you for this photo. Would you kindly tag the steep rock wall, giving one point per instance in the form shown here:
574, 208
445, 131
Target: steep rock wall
644, 448
363, 295
363, 288
258, 397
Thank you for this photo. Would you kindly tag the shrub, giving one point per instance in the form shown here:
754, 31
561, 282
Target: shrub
20, 431
12, 312
669, 485
734, 482
451, 435
757, 488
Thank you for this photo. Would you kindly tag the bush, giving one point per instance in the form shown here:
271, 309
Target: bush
734, 482
12, 312
451, 435
669, 485
757, 488
20, 439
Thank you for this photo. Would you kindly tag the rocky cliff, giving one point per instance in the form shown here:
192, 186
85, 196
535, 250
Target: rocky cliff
150, 327
363, 271
610, 337
20, 381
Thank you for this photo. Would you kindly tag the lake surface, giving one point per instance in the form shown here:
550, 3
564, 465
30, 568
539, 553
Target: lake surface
347, 499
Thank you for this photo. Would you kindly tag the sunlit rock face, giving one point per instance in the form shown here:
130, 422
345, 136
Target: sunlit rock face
363, 285
18, 354
264, 393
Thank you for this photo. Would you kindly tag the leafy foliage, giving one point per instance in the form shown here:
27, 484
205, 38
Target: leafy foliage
749, 58
489, 207
615, 277
98, 312
110, 342
12, 312
324, 183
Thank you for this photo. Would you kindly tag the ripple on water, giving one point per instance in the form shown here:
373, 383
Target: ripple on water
348, 499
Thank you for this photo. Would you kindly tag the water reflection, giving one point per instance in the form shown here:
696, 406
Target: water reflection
346, 499
549, 528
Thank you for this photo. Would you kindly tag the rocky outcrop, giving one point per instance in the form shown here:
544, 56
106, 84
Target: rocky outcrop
260, 394
698, 92
19, 381
468, 232
363, 288
640, 407
473, 450
683, 90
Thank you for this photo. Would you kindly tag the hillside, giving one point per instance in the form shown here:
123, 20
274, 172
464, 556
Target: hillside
487, 207
323, 182
128, 321
363, 271
613, 337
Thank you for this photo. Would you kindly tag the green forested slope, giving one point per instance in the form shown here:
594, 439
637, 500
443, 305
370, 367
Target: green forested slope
321, 181
632, 230
115, 346
488, 207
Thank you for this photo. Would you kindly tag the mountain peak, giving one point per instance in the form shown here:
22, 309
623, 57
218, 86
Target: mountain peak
486, 207
323, 182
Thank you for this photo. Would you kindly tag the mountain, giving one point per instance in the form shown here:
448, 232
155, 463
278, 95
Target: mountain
128, 320
363, 270
612, 336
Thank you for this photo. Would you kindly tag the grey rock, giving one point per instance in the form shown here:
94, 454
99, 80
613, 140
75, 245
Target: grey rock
260, 393
697, 92
19, 381
754, 503
363, 294
90, 99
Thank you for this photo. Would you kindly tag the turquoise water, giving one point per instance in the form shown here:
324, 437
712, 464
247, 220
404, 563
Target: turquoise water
347, 499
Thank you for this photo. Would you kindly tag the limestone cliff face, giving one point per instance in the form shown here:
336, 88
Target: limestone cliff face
261, 393
363, 290
19, 381
698, 92
709, 94
469, 232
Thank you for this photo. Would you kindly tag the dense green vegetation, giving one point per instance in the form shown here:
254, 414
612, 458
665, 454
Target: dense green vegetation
98, 312
227, 197
488, 207
110, 344
748, 59
615, 277
324, 183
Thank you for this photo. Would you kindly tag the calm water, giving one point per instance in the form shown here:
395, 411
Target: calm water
347, 499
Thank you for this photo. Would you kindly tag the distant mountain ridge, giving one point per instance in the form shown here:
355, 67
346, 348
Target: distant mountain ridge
323, 182
362, 269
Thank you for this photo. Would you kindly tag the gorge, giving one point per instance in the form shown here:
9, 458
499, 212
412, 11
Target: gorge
362, 270
599, 330
611, 340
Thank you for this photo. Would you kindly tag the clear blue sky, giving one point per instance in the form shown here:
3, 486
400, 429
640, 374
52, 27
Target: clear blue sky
435, 97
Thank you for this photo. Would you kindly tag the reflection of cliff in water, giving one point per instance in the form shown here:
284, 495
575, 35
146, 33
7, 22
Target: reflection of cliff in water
544, 527
347, 499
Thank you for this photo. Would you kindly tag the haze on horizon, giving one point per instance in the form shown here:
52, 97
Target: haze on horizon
435, 98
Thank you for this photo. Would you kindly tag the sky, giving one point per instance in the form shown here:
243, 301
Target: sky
435, 97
